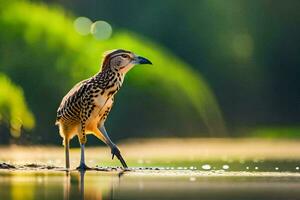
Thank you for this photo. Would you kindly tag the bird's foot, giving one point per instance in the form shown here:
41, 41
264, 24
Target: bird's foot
116, 152
83, 167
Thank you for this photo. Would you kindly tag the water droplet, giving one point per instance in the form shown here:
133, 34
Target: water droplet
192, 179
101, 30
247, 168
256, 168
276, 168
225, 167
82, 25
50, 162
297, 168
206, 167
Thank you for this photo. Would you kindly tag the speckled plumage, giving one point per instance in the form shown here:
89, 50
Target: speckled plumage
83, 94
89, 98
86, 106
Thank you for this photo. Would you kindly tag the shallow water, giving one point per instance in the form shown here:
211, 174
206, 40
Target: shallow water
198, 169
148, 184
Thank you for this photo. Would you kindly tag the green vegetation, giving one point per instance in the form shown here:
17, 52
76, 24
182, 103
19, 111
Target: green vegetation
13, 108
41, 52
275, 132
248, 51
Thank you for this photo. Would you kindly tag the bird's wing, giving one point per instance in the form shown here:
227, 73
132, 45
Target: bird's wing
72, 96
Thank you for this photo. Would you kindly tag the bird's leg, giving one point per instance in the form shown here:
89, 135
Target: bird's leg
82, 139
82, 165
114, 149
67, 147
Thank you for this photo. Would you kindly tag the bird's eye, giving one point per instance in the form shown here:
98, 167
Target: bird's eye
125, 56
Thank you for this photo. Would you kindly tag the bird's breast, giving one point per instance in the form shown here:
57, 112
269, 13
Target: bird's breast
101, 110
100, 100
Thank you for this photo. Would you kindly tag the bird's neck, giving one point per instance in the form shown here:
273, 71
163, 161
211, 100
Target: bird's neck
111, 80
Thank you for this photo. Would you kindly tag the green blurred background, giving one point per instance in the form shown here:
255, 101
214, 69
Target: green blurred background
221, 68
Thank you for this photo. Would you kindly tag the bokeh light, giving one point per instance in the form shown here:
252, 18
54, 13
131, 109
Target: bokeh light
243, 47
101, 30
83, 25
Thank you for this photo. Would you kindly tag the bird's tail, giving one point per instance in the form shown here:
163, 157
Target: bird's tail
57, 121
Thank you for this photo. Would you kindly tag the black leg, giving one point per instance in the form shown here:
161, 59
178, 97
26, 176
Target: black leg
116, 152
114, 149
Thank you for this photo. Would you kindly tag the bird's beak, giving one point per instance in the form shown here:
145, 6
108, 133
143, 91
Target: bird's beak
142, 60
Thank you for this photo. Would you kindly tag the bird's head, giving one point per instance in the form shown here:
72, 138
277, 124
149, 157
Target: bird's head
122, 60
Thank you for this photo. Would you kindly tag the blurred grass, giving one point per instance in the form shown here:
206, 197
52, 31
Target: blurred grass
14, 110
275, 132
49, 57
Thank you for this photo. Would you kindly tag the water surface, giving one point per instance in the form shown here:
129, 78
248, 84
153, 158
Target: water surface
166, 169
148, 184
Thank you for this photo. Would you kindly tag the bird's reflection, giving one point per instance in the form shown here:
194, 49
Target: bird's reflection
81, 184
66, 185
99, 186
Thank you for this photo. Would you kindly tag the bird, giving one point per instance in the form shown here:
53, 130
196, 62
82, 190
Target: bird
84, 109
